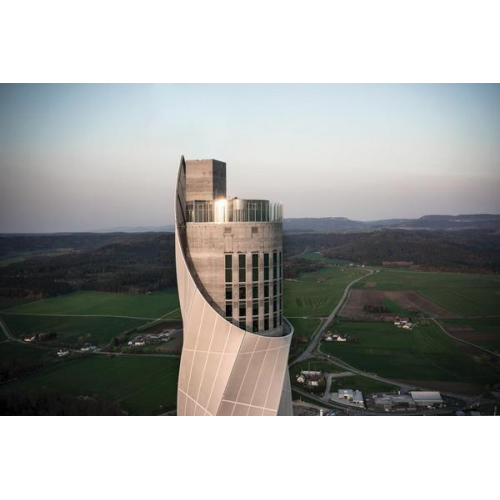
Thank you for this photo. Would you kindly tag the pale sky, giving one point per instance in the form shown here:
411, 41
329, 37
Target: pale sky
83, 157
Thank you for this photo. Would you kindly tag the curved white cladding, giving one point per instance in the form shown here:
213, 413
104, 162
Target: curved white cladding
226, 370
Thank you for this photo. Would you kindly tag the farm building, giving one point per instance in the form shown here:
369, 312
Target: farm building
311, 379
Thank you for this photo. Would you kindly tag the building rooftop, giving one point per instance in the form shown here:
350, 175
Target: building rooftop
426, 396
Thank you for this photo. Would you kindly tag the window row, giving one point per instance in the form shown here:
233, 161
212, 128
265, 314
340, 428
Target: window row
241, 293
242, 267
277, 320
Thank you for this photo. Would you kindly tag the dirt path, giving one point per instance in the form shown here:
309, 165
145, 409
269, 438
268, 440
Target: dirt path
443, 329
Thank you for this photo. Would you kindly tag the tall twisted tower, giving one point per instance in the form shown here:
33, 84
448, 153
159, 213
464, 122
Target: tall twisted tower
229, 259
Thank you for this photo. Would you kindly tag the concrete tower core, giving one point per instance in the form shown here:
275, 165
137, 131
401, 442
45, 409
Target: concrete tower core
205, 180
229, 257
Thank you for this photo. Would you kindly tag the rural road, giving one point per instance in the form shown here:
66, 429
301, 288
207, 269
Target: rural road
323, 326
7, 333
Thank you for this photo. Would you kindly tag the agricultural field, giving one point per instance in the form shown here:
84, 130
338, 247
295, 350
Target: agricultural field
6, 304
13, 350
89, 316
143, 306
484, 332
142, 386
424, 355
316, 294
370, 305
453, 294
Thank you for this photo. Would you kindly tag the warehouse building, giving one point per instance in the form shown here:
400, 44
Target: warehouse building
427, 398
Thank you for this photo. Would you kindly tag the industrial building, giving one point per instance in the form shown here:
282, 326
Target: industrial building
229, 260
394, 402
348, 396
427, 398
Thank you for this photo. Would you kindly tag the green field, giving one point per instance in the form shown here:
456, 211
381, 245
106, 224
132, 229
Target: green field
488, 326
140, 385
393, 307
317, 293
13, 350
70, 329
85, 314
6, 304
463, 294
149, 306
424, 353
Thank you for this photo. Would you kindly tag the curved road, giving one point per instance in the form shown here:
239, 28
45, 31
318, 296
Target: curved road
317, 335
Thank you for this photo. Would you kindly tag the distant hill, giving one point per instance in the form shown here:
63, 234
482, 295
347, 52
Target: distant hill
57, 264
322, 224
470, 250
436, 222
170, 228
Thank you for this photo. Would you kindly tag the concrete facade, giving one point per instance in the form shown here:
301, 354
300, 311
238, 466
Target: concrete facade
207, 246
205, 180
226, 368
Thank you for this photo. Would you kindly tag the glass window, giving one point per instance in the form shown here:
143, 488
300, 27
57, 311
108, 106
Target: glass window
243, 292
275, 304
255, 325
266, 267
243, 309
275, 321
255, 267
280, 266
255, 308
242, 259
242, 324
255, 292
266, 307
275, 288
266, 323
266, 289
275, 265
229, 310
254, 211
229, 268
229, 292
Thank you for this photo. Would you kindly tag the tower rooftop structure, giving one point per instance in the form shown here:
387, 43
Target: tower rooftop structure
229, 256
